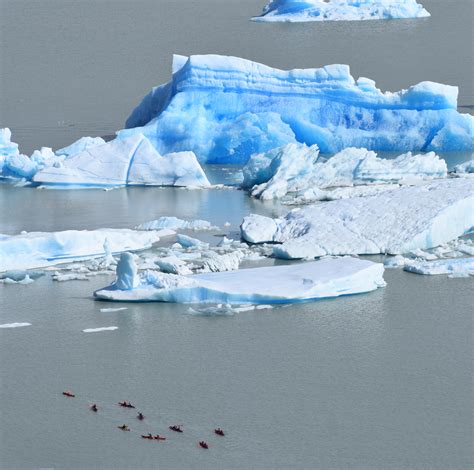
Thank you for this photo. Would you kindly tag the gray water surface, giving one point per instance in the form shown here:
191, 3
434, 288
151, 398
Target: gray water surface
376, 381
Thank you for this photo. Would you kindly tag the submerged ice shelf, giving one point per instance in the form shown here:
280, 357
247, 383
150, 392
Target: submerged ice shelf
393, 222
340, 10
267, 285
224, 109
41, 249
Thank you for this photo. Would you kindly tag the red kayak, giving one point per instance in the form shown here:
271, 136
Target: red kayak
69, 394
219, 432
176, 428
147, 437
203, 445
159, 438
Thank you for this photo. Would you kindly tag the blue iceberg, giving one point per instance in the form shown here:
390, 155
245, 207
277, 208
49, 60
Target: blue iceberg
340, 10
224, 109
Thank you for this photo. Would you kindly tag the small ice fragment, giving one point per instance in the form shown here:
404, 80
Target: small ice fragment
14, 325
96, 330
109, 310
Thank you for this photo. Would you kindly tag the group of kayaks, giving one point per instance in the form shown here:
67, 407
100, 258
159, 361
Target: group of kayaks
126, 404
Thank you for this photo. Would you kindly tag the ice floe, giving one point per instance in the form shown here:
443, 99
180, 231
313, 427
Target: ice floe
394, 222
340, 10
465, 169
40, 249
14, 325
458, 267
174, 223
224, 109
330, 277
297, 169
97, 330
129, 161
111, 310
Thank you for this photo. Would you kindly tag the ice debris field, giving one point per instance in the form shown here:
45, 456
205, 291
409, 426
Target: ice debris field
308, 137
340, 10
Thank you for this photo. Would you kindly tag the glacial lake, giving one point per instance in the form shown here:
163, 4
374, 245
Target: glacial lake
376, 381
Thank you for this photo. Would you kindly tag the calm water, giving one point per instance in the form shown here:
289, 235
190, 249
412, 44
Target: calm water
374, 381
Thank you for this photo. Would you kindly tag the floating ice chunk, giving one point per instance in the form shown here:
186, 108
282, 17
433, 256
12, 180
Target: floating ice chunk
69, 277
127, 272
225, 109
214, 262
7, 147
459, 266
39, 249
466, 168
128, 161
110, 310
173, 265
393, 222
20, 275
189, 242
97, 330
14, 325
218, 310
340, 10
294, 168
84, 143
174, 223
267, 285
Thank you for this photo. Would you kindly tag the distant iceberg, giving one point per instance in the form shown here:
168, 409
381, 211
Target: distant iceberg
224, 109
393, 222
40, 249
340, 10
461, 267
267, 285
297, 168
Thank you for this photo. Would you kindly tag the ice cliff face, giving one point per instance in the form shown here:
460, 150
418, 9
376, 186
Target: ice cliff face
225, 109
337, 10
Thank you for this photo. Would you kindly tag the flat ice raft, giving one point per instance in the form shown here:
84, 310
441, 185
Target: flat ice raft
224, 109
40, 249
394, 222
340, 10
330, 277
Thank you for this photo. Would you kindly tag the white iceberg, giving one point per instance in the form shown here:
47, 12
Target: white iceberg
465, 169
225, 109
128, 161
267, 285
393, 222
296, 168
39, 249
97, 330
458, 267
174, 223
340, 10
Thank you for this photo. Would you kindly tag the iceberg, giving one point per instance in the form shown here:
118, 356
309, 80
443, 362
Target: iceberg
267, 285
340, 10
80, 145
128, 161
457, 267
224, 109
465, 169
295, 168
174, 223
392, 222
41, 249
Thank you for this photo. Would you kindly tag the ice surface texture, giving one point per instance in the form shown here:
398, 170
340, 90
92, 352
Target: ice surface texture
394, 222
38, 249
281, 284
225, 109
295, 168
339, 10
